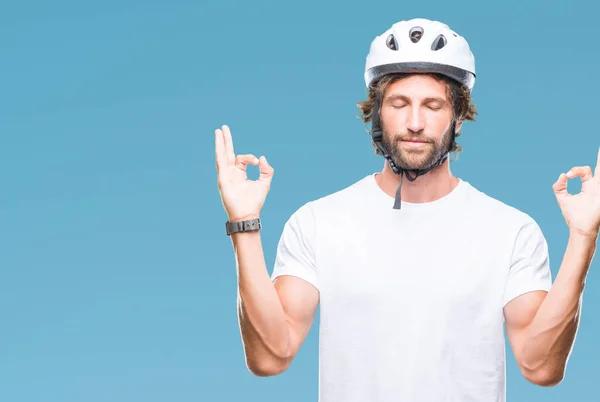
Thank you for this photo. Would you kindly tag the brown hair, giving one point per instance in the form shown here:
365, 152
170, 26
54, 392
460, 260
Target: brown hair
459, 95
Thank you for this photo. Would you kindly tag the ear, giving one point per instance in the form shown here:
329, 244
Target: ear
458, 126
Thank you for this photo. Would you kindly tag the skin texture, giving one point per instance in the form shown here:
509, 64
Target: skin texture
416, 123
275, 317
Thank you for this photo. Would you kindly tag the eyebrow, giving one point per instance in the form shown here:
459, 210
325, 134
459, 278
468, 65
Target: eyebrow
428, 99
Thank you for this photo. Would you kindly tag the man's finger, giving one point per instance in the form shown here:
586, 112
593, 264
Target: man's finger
241, 161
585, 172
229, 151
219, 149
266, 170
560, 186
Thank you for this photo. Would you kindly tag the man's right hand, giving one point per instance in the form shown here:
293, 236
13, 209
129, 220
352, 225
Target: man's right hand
242, 198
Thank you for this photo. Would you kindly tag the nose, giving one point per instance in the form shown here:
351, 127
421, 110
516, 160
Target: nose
415, 121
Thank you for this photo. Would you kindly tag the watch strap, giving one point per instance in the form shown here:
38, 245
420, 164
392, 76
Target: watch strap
243, 226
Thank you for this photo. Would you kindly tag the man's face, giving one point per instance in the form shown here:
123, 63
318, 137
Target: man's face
416, 119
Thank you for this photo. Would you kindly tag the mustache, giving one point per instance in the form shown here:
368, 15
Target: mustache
421, 138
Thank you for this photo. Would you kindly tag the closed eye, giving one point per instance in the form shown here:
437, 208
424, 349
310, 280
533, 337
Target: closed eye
434, 105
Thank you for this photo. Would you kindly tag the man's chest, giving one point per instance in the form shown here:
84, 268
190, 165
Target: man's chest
459, 269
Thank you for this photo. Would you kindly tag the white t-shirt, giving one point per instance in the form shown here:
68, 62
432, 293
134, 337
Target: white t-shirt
411, 300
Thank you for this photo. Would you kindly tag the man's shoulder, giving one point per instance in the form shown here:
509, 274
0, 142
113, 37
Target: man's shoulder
347, 194
334, 202
493, 207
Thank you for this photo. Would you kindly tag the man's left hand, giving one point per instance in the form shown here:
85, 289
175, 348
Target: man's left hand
581, 211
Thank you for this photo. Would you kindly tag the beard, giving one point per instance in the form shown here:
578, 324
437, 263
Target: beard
417, 158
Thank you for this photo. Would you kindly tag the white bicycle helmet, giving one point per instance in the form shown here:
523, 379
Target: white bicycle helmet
420, 45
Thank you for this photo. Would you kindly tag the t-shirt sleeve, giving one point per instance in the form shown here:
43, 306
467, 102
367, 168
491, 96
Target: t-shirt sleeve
295, 250
530, 263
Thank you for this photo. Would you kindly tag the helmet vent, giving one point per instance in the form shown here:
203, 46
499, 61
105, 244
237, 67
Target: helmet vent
391, 42
439, 43
415, 34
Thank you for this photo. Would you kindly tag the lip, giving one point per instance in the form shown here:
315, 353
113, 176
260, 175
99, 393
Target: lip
414, 144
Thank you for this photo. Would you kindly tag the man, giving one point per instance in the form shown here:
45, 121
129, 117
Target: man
415, 286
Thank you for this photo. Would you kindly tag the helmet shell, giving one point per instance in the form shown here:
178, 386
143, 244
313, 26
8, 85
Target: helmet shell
420, 45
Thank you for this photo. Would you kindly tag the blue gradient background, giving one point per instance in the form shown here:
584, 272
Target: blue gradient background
117, 281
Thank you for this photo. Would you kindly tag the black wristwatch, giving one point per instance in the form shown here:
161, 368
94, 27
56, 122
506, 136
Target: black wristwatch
242, 226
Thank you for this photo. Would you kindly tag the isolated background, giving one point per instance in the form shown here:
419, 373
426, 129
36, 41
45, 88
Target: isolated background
117, 281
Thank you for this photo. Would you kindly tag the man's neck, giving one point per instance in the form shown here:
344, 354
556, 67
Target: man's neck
429, 187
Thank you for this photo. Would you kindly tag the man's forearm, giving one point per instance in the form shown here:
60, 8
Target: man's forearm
263, 325
550, 336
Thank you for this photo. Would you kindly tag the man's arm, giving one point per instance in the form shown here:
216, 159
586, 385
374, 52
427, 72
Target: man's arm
541, 326
274, 317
